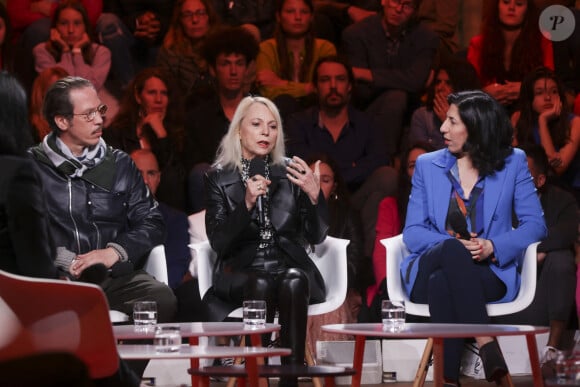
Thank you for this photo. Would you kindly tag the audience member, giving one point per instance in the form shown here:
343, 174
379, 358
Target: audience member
177, 253
6, 43
553, 303
390, 222
229, 51
452, 75
286, 62
331, 17
258, 17
349, 137
442, 17
31, 20
133, 31
344, 223
181, 54
150, 117
510, 45
70, 46
544, 118
43, 81
261, 255
99, 210
391, 56
464, 251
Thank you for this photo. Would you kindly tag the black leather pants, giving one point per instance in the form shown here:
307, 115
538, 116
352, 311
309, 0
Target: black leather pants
288, 292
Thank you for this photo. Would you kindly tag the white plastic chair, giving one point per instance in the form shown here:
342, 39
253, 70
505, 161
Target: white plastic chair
156, 265
42, 316
329, 257
397, 251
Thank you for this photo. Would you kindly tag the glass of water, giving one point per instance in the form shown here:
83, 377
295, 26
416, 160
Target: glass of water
254, 313
167, 338
145, 314
393, 315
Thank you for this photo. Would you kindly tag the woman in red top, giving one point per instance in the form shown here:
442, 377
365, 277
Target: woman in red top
510, 45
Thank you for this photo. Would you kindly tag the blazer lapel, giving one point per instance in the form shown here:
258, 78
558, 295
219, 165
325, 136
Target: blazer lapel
441, 187
493, 189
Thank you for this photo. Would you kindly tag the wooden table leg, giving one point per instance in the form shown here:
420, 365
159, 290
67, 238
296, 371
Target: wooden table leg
424, 364
438, 378
534, 360
357, 361
194, 363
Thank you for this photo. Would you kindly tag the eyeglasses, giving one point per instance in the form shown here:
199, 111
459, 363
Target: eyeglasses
102, 110
407, 6
200, 13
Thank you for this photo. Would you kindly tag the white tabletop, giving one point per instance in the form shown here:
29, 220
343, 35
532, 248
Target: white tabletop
132, 351
425, 330
195, 329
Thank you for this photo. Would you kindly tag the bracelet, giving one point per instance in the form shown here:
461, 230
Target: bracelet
76, 50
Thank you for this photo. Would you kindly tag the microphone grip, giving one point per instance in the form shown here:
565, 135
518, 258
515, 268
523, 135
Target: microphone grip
260, 210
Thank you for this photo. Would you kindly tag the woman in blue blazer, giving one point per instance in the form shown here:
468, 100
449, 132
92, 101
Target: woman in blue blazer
464, 251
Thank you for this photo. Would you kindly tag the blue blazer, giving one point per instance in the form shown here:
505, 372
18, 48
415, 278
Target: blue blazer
510, 189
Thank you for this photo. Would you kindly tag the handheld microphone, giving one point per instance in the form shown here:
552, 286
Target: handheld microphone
258, 167
459, 225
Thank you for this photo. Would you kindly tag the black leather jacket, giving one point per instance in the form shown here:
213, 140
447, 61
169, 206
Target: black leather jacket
233, 230
109, 203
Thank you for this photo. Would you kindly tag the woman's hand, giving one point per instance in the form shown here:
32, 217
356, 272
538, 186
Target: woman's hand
56, 39
155, 121
479, 248
256, 185
440, 106
549, 114
299, 173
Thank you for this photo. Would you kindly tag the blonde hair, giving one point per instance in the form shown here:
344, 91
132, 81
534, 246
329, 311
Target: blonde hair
229, 153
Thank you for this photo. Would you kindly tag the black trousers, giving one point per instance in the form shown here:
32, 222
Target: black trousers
456, 289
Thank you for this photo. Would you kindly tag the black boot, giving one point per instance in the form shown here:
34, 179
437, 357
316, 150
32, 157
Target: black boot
293, 307
493, 362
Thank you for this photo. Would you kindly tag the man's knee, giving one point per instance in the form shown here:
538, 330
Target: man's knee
166, 301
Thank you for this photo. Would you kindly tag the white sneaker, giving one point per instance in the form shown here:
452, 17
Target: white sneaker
548, 354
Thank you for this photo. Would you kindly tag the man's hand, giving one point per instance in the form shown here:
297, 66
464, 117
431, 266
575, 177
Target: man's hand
107, 256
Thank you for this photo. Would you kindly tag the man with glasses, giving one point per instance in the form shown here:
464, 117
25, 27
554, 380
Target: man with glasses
391, 55
103, 219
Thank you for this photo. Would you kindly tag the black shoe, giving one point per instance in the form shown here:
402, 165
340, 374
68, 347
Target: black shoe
493, 362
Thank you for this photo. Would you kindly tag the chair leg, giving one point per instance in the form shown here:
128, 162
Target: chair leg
424, 364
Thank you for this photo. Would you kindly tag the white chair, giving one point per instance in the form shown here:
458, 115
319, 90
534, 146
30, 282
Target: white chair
43, 316
156, 265
397, 251
329, 257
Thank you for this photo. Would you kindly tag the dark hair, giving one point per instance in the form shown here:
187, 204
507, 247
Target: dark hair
525, 54
230, 40
15, 134
559, 127
282, 48
462, 76
489, 131
6, 51
333, 59
405, 181
175, 39
129, 109
56, 50
57, 99
538, 155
